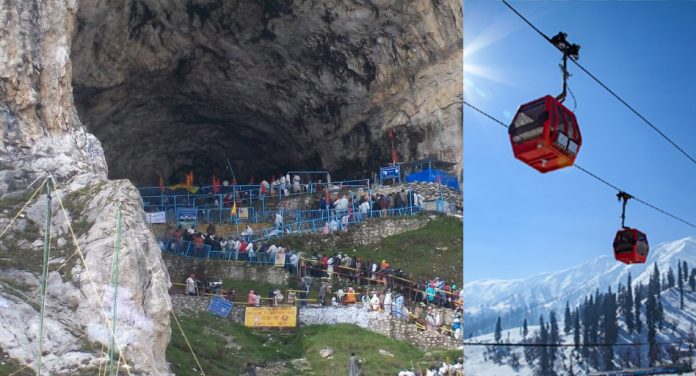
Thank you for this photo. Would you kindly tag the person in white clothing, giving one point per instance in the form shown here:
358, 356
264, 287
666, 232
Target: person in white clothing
364, 207
247, 233
294, 263
365, 302
279, 220
430, 320
375, 302
399, 307
388, 302
344, 223
250, 250
420, 200
341, 206
272, 250
191, 287
330, 267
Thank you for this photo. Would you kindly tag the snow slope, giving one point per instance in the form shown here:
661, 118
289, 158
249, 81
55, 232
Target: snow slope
679, 324
486, 299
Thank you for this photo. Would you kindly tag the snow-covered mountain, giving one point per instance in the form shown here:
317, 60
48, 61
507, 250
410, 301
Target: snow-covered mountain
679, 324
484, 300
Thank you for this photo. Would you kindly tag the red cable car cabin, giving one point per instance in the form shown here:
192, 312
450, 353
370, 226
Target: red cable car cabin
545, 135
631, 246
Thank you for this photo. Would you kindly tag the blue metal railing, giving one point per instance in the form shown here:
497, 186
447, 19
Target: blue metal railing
316, 225
320, 224
186, 248
247, 195
189, 249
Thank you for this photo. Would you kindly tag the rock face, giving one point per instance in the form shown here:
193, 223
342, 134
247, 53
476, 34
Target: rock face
170, 85
42, 134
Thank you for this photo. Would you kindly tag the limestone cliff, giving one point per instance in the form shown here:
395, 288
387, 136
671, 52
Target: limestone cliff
173, 85
41, 134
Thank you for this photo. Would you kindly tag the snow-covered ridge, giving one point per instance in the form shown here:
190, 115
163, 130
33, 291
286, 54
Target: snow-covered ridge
679, 324
551, 290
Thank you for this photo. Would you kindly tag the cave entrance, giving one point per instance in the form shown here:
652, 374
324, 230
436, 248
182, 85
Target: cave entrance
170, 87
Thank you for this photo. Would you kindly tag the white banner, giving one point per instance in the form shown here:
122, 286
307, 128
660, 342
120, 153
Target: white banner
243, 213
156, 217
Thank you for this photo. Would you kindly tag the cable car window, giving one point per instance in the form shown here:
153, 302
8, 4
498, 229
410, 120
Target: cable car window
624, 242
556, 119
573, 147
562, 140
564, 122
529, 122
530, 114
572, 125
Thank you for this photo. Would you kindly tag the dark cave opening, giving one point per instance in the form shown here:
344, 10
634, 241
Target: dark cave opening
170, 87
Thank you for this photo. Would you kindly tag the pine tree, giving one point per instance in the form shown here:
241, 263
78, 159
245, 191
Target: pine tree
654, 287
692, 280
586, 326
555, 332
554, 338
525, 331
679, 270
628, 305
670, 278
650, 313
660, 316
637, 303
685, 270
567, 319
544, 360
680, 283
576, 329
498, 331
610, 327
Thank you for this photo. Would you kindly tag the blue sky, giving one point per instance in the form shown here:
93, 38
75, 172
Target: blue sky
518, 222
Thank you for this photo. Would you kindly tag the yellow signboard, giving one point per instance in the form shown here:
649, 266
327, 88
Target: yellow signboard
243, 213
280, 259
266, 317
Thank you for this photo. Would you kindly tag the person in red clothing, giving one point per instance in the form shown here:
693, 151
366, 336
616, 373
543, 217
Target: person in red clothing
383, 204
198, 241
243, 246
251, 298
447, 298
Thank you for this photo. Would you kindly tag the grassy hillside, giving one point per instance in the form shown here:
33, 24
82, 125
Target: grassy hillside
432, 251
223, 348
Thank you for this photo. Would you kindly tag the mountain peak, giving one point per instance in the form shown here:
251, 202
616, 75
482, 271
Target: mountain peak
551, 290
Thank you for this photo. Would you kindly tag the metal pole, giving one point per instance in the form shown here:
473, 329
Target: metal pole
115, 270
46, 250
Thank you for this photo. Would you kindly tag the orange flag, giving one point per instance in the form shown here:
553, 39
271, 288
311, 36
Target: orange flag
233, 212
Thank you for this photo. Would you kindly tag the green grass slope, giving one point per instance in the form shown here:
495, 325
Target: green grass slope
432, 251
223, 348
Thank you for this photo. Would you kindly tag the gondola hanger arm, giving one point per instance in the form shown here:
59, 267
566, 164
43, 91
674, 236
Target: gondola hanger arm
623, 196
571, 50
